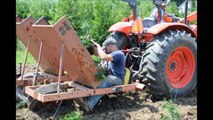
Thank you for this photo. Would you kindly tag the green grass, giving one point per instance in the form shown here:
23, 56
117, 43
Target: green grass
20, 105
74, 115
101, 73
171, 110
20, 55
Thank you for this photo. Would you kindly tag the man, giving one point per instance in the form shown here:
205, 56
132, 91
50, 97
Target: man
115, 59
166, 17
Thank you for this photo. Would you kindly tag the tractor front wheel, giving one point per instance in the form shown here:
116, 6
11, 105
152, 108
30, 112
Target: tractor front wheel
169, 64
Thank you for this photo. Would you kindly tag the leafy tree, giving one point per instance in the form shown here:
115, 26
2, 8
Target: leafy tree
178, 2
22, 8
145, 8
39, 8
92, 17
172, 8
70, 9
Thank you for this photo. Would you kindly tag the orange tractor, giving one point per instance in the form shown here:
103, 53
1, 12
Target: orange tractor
161, 50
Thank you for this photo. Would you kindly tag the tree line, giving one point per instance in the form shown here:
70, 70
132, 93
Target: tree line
92, 17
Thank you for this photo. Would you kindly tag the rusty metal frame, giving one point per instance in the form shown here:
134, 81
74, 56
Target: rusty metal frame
39, 58
80, 81
43, 80
53, 36
25, 59
80, 91
60, 67
29, 81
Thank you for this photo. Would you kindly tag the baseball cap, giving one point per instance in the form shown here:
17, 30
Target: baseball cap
109, 41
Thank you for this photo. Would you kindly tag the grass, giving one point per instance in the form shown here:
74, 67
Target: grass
101, 73
20, 105
20, 55
74, 115
171, 110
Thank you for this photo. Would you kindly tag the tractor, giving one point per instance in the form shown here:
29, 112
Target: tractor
161, 50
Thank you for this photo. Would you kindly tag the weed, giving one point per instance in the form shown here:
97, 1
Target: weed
172, 111
85, 41
101, 73
96, 59
20, 104
74, 115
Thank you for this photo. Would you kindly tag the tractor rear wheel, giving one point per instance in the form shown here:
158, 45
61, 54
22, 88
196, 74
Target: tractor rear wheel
169, 64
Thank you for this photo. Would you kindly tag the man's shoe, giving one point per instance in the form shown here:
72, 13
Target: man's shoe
83, 104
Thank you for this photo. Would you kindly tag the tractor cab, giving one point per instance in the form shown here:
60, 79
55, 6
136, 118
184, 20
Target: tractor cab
158, 15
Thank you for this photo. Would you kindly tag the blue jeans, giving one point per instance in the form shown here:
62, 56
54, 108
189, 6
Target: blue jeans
109, 81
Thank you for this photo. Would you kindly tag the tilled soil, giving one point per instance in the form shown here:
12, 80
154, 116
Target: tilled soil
128, 106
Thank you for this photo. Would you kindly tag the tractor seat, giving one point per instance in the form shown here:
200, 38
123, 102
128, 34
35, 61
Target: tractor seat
149, 22
126, 80
127, 76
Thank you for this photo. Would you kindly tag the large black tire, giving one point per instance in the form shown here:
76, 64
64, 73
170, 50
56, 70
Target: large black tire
21, 96
34, 104
121, 38
154, 64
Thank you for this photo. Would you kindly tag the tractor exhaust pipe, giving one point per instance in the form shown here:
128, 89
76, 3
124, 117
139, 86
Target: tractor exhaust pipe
185, 12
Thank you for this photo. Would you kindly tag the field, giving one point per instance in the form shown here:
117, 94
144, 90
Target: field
20, 56
130, 106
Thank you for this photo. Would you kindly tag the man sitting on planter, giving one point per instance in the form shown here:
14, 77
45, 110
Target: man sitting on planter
115, 60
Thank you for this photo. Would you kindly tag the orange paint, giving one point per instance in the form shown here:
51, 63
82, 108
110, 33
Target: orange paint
158, 28
124, 27
137, 27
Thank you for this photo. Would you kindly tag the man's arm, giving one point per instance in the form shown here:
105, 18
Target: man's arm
101, 53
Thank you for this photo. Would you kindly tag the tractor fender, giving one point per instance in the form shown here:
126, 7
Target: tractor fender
159, 28
124, 27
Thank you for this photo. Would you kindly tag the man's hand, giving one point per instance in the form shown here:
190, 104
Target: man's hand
91, 40
103, 64
101, 53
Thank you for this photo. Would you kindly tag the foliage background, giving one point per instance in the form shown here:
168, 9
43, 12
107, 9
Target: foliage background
92, 17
